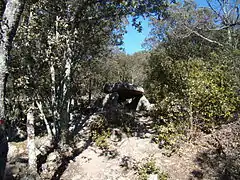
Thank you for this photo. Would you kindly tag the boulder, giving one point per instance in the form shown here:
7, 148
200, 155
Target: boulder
124, 90
110, 101
130, 95
116, 135
144, 104
153, 177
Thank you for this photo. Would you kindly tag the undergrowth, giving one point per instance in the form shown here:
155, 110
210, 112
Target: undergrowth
190, 96
100, 132
149, 168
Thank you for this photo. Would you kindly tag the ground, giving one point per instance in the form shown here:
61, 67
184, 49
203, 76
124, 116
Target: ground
206, 156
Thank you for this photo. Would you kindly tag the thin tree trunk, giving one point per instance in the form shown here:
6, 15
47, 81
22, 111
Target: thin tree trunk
65, 111
230, 41
49, 130
54, 103
191, 117
191, 123
32, 158
54, 100
90, 90
3, 80
9, 24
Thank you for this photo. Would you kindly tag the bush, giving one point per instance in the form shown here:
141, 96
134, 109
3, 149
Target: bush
148, 168
190, 94
210, 93
100, 132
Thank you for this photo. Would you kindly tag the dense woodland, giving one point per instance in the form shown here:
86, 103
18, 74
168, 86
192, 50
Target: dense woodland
56, 55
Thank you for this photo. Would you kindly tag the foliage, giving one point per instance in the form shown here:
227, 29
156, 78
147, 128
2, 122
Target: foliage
149, 167
57, 50
193, 71
100, 132
163, 76
101, 140
211, 93
169, 135
190, 94
119, 66
98, 125
196, 31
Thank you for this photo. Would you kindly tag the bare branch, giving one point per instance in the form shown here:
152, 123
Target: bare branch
224, 27
238, 13
214, 10
205, 38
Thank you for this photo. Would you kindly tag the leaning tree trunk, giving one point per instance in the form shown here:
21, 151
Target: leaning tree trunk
43, 117
11, 13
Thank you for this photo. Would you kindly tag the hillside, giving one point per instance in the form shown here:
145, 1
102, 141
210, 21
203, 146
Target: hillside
208, 156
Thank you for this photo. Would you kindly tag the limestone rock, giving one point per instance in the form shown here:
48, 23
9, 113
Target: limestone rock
116, 135
144, 104
153, 177
124, 90
129, 94
110, 101
123, 86
128, 162
52, 163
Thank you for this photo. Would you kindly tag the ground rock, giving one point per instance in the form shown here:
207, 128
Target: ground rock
116, 135
52, 163
144, 104
110, 101
153, 177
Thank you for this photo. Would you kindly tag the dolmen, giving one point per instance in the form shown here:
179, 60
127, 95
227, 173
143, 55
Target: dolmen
126, 94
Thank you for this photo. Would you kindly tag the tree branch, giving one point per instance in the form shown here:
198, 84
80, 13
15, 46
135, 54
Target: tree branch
205, 38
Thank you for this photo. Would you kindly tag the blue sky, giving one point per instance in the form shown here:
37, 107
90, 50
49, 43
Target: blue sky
133, 40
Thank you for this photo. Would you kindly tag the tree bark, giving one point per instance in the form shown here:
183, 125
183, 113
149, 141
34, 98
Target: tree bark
9, 24
53, 99
43, 117
66, 97
32, 158
54, 103
10, 19
90, 90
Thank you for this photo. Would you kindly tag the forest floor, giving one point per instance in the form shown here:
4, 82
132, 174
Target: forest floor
207, 156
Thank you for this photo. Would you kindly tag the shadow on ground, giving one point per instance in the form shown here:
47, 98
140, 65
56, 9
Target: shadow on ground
217, 165
221, 159
66, 160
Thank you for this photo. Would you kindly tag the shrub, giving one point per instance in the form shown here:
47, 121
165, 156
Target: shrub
190, 94
100, 132
148, 168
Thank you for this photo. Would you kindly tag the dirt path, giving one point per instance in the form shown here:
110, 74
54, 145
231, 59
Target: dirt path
209, 157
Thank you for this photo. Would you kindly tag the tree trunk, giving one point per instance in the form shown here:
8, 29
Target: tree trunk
43, 117
32, 158
230, 41
66, 97
54, 100
10, 19
54, 103
90, 90
9, 26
